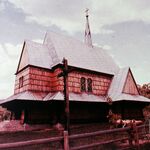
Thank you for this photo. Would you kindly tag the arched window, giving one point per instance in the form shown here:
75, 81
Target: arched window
83, 84
89, 85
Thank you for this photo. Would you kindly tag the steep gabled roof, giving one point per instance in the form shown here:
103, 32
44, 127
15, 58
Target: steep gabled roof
123, 87
80, 55
117, 84
35, 54
56, 46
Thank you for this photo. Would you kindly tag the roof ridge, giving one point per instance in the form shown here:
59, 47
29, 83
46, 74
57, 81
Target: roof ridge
53, 53
33, 42
68, 37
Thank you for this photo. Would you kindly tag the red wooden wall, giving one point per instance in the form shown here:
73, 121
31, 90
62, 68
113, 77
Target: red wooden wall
100, 84
42, 80
36, 79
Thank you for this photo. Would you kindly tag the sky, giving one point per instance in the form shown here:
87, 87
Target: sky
121, 27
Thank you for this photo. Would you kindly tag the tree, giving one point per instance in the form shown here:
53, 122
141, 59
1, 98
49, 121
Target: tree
145, 90
146, 112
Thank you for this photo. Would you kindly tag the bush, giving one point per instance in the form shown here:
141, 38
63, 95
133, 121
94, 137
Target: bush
4, 114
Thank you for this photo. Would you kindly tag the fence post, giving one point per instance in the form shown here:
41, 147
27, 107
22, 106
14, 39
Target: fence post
66, 140
149, 126
136, 136
130, 136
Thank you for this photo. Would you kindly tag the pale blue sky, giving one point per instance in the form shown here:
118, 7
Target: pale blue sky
122, 27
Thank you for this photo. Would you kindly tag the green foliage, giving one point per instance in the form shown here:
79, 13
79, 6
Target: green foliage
145, 90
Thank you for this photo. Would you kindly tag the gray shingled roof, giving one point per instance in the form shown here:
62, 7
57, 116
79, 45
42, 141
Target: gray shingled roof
84, 97
36, 96
116, 88
117, 84
56, 46
35, 54
129, 97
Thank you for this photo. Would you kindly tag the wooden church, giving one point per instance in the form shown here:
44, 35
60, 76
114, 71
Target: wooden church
94, 82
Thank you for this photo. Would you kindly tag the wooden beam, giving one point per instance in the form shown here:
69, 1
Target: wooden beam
85, 135
31, 142
97, 144
66, 140
66, 95
64, 74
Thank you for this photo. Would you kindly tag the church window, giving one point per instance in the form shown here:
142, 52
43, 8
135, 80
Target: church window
21, 82
83, 84
89, 85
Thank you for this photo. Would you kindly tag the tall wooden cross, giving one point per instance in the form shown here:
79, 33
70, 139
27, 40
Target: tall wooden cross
64, 73
66, 95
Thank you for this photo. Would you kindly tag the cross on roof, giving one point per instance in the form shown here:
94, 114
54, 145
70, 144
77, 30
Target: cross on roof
87, 38
86, 12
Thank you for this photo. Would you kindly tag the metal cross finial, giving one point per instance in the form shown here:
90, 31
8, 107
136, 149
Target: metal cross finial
86, 11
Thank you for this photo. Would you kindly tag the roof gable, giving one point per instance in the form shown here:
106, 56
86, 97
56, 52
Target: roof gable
23, 61
55, 47
130, 86
123, 87
35, 54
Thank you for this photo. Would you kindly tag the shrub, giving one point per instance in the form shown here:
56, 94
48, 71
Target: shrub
4, 114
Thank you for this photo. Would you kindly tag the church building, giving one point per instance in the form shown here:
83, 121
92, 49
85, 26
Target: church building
96, 83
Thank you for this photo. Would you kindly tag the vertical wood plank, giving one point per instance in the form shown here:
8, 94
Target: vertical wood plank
66, 140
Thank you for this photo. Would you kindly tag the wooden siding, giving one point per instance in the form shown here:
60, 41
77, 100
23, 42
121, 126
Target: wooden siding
100, 83
25, 74
130, 85
42, 80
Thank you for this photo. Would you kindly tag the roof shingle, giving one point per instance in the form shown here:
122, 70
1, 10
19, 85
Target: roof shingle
56, 47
